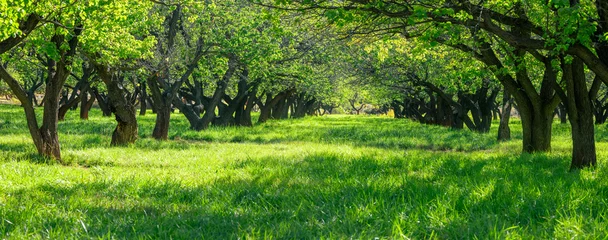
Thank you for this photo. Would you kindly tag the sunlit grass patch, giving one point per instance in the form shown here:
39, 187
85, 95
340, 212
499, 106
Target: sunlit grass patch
317, 177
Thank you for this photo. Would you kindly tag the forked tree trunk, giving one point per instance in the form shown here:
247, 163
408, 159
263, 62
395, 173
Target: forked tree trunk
102, 101
45, 138
126, 131
245, 118
271, 102
49, 146
536, 127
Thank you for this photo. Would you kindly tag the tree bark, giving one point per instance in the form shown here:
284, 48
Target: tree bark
562, 113
63, 110
581, 115
106, 109
245, 117
161, 128
504, 131
126, 131
271, 102
86, 102
143, 104
59, 73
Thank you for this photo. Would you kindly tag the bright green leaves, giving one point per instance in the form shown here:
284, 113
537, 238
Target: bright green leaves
115, 31
571, 26
11, 13
339, 16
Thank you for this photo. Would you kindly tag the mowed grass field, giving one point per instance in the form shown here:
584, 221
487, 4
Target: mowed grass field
330, 177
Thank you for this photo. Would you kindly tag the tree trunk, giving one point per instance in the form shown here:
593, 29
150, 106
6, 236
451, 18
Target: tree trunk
126, 131
28, 108
85, 106
245, 117
103, 103
562, 113
48, 130
143, 104
504, 131
266, 109
46, 139
581, 115
63, 110
50, 139
536, 127
161, 128
280, 109
264, 114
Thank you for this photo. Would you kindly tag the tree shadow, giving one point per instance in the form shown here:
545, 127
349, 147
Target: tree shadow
319, 195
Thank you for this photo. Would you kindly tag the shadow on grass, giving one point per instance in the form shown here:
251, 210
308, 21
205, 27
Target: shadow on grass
319, 196
359, 131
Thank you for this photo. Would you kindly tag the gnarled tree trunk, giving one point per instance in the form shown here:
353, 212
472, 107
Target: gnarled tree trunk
126, 131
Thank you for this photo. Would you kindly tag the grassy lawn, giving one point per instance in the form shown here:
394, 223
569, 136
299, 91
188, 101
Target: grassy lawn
318, 177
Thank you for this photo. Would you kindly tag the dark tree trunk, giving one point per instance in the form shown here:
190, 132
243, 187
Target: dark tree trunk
581, 115
562, 113
536, 108
126, 131
86, 102
245, 119
143, 99
102, 101
504, 131
63, 110
266, 109
162, 105
161, 128
460, 115
480, 105
28, 108
398, 109
45, 138
302, 106
200, 123
280, 109
264, 114
163, 92
209, 115
536, 127
50, 146
231, 112
58, 73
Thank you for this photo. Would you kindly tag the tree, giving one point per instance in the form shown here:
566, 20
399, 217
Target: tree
546, 31
59, 27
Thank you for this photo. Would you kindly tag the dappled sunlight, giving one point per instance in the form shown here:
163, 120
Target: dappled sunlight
338, 176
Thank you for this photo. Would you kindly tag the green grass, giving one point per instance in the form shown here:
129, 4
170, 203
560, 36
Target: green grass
322, 177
